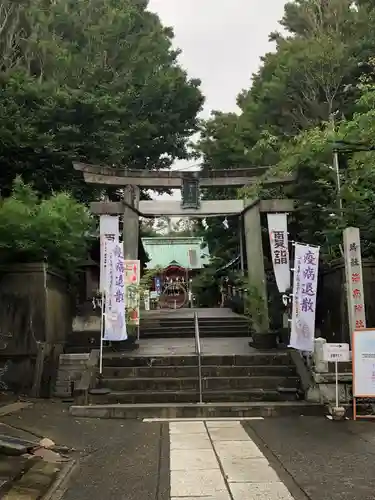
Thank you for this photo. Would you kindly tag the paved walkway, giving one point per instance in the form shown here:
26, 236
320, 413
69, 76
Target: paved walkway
296, 458
216, 460
116, 459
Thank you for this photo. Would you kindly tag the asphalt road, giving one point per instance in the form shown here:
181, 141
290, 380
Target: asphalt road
117, 460
319, 459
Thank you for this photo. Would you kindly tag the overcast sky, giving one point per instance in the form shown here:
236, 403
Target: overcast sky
221, 42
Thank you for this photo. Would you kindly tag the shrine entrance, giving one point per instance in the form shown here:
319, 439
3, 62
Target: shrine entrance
190, 183
175, 288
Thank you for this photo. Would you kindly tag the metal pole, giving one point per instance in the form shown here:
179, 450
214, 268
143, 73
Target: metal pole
337, 384
198, 352
101, 335
200, 379
241, 246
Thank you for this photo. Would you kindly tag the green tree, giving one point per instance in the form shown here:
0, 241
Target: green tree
89, 80
318, 218
286, 116
56, 229
224, 144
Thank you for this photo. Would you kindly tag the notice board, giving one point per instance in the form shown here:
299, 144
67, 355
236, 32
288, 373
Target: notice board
363, 358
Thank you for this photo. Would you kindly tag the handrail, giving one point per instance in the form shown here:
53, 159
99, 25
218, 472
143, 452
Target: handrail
199, 353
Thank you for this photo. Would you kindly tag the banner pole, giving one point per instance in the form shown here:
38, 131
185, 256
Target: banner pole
101, 336
337, 383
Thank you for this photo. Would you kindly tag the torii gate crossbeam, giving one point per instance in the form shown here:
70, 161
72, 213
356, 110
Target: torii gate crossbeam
131, 208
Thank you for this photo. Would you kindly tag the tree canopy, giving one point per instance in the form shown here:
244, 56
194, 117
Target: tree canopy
316, 88
90, 80
56, 229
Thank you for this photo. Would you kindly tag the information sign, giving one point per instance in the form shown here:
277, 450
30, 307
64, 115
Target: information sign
363, 367
364, 363
336, 353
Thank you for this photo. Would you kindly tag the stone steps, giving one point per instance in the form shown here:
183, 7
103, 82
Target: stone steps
259, 358
259, 376
189, 333
254, 384
192, 383
71, 367
205, 410
191, 396
184, 328
110, 372
166, 322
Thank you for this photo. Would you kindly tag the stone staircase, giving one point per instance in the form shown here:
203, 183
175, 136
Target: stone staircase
174, 327
161, 378
161, 324
71, 368
254, 384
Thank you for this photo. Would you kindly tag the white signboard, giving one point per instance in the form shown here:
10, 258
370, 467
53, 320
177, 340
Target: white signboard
354, 279
114, 298
336, 353
109, 232
146, 300
132, 279
364, 363
278, 231
305, 282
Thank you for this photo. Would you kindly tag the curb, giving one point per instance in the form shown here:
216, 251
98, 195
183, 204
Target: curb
58, 488
14, 407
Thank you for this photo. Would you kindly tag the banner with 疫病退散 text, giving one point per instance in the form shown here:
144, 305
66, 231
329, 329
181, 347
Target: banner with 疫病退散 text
114, 295
305, 283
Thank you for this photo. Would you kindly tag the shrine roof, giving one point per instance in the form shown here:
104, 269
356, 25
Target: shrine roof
187, 252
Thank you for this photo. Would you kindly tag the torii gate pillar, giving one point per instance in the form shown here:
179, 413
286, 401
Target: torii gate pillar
255, 267
130, 229
255, 255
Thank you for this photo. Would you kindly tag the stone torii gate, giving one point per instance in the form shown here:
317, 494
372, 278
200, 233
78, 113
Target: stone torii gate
131, 208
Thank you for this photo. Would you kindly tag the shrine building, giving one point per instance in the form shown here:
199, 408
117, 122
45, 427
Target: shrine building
179, 258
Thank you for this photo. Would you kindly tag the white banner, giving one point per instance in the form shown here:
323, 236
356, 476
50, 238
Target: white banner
147, 300
114, 299
109, 232
132, 279
278, 232
305, 283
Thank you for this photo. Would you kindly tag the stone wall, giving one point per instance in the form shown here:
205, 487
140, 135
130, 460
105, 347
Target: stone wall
35, 319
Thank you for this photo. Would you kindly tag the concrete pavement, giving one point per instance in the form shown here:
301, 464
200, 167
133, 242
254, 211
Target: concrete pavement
319, 459
116, 460
219, 461
296, 458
